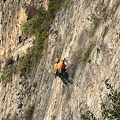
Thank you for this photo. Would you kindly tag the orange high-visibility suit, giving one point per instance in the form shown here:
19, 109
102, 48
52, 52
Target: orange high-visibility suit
56, 66
61, 65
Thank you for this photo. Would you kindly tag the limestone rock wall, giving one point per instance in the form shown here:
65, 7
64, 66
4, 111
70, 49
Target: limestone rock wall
13, 13
87, 34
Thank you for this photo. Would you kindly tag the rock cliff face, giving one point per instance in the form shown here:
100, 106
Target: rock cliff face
87, 34
12, 15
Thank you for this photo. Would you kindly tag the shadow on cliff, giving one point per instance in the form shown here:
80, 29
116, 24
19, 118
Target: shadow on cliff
68, 75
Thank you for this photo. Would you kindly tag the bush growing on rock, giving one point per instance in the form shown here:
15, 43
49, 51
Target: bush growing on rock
35, 84
7, 75
109, 112
29, 112
13, 117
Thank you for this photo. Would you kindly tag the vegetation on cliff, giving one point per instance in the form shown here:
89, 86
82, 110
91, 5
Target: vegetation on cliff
7, 75
39, 27
110, 109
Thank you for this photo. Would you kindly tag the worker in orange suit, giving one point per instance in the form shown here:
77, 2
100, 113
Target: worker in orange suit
56, 66
60, 70
61, 66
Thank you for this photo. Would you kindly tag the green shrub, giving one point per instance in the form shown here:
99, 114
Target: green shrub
35, 84
31, 12
113, 111
109, 112
35, 27
53, 8
7, 75
26, 62
8, 116
29, 112
66, 3
88, 116
13, 117
28, 28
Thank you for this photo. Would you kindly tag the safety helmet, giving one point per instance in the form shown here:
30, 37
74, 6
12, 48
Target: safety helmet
63, 59
57, 60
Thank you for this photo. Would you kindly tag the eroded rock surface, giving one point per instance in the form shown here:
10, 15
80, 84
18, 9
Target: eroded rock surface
87, 34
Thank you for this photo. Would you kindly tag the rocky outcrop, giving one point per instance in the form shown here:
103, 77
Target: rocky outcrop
87, 34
